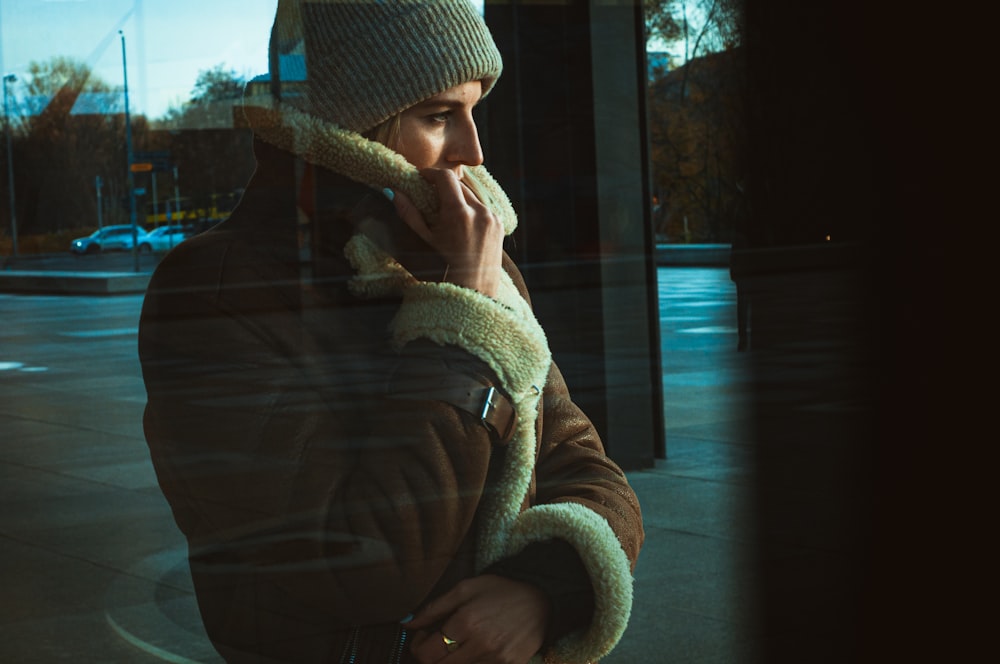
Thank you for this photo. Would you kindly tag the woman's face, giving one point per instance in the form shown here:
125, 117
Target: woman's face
440, 133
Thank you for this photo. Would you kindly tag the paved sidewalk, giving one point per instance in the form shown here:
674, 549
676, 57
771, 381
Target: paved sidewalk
692, 585
94, 569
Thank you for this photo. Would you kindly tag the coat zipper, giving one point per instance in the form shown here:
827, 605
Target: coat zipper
350, 654
397, 654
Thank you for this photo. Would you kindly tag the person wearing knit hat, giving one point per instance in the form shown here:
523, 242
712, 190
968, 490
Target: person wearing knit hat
352, 409
354, 80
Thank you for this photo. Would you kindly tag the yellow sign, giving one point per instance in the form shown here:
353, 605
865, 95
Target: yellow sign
141, 167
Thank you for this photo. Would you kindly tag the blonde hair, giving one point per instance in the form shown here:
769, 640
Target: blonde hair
386, 132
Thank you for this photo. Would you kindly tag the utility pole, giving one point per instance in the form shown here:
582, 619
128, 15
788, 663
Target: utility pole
10, 78
156, 213
100, 207
177, 198
128, 158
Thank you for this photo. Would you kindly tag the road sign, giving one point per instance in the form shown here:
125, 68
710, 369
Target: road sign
141, 167
160, 160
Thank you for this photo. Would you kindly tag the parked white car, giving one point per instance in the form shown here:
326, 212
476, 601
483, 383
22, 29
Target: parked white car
165, 238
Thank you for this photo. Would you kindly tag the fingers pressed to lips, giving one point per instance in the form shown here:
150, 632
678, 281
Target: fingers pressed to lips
440, 177
470, 196
450, 189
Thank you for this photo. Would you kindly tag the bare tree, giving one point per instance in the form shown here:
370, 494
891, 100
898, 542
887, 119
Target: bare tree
216, 93
697, 27
697, 131
73, 132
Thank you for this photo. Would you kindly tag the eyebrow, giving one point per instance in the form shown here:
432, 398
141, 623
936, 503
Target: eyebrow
437, 103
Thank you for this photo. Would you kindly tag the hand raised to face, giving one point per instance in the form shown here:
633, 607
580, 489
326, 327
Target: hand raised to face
467, 235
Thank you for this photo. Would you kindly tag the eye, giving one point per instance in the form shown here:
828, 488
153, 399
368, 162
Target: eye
440, 117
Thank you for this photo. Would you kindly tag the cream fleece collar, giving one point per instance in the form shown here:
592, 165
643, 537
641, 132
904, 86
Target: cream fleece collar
366, 162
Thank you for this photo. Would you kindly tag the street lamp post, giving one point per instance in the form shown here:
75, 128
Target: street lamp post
128, 158
10, 78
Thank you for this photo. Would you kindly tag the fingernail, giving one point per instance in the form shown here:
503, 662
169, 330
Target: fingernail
390, 194
410, 616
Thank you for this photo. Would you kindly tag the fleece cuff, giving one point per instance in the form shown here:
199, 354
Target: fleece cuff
606, 564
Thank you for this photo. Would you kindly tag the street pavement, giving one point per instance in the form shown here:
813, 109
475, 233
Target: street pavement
93, 567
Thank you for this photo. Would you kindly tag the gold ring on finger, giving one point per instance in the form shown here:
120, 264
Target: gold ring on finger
450, 644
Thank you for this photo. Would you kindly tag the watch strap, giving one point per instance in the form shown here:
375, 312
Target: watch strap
429, 379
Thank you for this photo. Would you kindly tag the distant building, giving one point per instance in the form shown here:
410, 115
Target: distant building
99, 103
84, 103
658, 63
293, 77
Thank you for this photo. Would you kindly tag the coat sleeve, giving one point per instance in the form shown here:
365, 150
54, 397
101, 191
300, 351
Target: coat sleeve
556, 482
582, 497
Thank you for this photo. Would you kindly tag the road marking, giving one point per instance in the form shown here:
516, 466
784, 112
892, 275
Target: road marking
91, 334
20, 366
146, 646
715, 329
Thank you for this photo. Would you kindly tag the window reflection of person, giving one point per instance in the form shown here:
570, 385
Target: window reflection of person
369, 466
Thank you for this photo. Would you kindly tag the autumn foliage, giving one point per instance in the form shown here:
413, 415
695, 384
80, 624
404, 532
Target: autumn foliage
697, 147
71, 169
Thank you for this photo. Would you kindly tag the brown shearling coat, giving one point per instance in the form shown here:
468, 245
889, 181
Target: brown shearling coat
314, 500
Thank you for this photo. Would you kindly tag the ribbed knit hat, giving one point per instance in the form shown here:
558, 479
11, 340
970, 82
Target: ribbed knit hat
356, 63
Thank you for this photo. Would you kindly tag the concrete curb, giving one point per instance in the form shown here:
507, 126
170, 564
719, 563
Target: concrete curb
74, 283
82, 282
693, 255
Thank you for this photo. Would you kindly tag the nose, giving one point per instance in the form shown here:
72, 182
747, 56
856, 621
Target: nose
464, 148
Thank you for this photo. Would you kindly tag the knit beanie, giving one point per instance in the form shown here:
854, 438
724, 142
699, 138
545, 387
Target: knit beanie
356, 63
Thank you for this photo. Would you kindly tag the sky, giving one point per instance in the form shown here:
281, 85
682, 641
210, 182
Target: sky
167, 41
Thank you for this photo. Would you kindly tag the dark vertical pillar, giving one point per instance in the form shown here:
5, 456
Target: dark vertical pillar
866, 541
564, 133
810, 349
